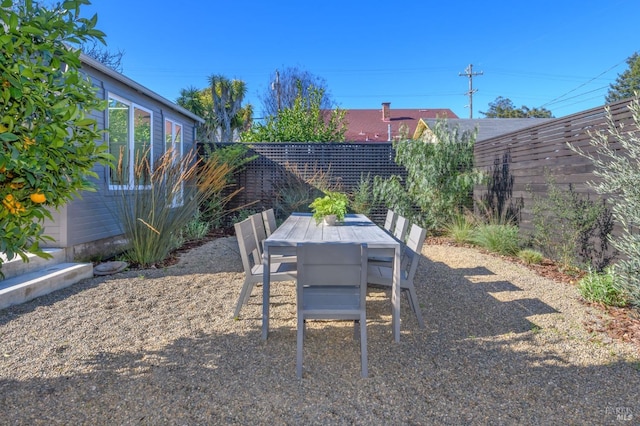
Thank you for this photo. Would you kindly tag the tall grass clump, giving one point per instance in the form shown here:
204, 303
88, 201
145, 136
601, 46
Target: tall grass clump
155, 210
461, 228
616, 159
498, 238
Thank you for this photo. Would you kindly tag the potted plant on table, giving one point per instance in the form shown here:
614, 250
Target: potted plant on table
331, 207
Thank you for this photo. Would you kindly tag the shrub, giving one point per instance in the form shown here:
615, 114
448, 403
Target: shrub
49, 138
530, 256
618, 169
571, 228
362, 197
196, 228
501, 239
440, 177
603, 287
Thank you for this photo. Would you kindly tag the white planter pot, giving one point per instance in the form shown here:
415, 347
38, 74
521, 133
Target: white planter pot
330, 219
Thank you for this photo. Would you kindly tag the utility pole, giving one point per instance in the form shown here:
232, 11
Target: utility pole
276, 86
468, 72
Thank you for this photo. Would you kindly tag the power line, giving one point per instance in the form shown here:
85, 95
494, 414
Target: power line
582, 85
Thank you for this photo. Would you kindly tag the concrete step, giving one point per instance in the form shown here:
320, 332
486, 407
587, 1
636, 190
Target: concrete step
28, 286
16, 266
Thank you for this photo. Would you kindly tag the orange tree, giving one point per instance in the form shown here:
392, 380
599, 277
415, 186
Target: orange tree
49, 142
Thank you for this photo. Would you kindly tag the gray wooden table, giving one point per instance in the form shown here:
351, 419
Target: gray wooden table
301, 227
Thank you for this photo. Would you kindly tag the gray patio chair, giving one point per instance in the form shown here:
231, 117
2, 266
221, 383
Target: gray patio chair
390, 220
332, 284
269, 218
381, 273
253, 270
400, 228
260, 231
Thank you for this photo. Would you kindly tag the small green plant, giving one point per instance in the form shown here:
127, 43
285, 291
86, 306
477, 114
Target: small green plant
530, 256
460, 228
502, 239
332, 203
603, 287
362, 197
196, 228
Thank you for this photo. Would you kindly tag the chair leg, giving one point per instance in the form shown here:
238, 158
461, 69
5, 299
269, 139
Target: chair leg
413, 300
301, 326
247, 287
363, 346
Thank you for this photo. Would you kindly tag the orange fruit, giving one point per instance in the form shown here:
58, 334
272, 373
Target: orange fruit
38, 197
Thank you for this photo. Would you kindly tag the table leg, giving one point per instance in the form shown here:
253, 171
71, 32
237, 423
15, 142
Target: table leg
266, 282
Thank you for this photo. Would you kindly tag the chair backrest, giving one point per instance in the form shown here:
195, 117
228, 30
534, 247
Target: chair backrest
247, 244
332, 265
400, 230
269, 218
412, 251
390, 220
259, 232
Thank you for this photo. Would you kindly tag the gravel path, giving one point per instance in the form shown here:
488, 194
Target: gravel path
501, 346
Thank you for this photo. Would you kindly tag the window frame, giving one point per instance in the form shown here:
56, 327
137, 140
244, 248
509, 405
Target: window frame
177, 201
131, 143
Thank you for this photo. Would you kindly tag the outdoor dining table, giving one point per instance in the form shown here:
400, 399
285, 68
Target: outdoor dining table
356, 228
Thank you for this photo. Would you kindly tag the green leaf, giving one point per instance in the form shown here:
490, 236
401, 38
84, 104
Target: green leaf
8, 137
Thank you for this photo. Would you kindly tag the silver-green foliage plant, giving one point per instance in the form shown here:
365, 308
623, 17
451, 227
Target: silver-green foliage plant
603, 287
618, 168
440, 177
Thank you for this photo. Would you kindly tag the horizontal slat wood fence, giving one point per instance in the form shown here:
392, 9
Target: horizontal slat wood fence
345, 163
542, 149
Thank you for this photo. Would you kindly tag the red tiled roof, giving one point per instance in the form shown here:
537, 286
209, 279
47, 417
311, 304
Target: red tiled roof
367, 125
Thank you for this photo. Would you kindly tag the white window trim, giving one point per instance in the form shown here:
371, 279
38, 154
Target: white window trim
174, 123
131, 137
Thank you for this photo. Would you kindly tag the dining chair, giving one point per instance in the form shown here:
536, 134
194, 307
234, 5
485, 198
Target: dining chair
269, 218
260, 231
400, 228
390, 220
253, 269
381, 273
332, 284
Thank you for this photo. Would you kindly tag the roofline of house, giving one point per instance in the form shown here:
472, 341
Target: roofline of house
137, 86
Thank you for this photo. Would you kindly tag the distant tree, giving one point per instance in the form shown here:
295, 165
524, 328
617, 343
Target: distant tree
227, 94
284, 90
505, 108
109, 58
627, 83
305, 121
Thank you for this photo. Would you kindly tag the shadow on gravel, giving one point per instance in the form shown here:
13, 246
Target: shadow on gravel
470, 365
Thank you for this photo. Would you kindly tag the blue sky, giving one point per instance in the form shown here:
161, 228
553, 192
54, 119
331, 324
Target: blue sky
561, 55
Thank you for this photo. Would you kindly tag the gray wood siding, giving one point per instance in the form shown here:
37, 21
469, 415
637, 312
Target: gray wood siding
93, 217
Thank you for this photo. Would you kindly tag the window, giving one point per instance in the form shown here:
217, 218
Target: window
173, 146
130, 142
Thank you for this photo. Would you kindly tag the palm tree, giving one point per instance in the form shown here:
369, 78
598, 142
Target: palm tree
227, 96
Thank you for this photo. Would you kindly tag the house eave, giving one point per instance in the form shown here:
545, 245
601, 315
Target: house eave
137, 86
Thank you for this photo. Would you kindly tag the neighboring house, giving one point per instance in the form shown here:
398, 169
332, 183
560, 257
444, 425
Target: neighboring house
487, 127
139, 119
384, 125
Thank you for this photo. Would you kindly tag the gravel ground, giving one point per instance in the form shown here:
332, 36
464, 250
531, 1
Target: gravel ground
501, 346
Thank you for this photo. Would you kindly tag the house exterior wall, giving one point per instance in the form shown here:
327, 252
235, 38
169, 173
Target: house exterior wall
89, 224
